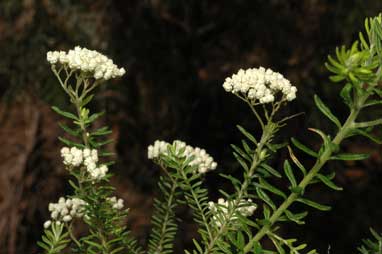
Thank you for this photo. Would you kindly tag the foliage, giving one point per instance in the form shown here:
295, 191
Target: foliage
372, 246
228, 226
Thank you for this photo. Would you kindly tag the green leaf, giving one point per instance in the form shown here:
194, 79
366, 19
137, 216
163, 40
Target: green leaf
326, 111
257, 248
271, 170
265, 185
336, 78
364, 44
314, 204
70, 143
368, 135
372, 103
102, 131
264, 196
289, 173
64, 113
328, 182
278, 246
69, 130
338, 67
108, 141
87, 100
350, 156
94, 116
243, 154
346, 94
295, 218
304, 148
247, 134
241, 161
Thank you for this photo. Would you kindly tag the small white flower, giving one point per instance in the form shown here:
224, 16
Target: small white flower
67, 218
98, 173
116, 203
65, 210
220, 210
87, 61
202, 160
88, 157
47, 223
260, 85
72, 156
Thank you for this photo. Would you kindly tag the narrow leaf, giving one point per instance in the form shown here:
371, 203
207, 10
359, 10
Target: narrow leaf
314, 204
271, 170
64, 113
289, 173
346, 94
350, 156
328, 182
264, 196
247, 134
304, 148
265, 185
326, 111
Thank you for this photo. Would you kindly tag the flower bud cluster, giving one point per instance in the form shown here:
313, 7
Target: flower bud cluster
116, 203
65, 210
221, 208
260, 85
202, 160
88, 61
75, 157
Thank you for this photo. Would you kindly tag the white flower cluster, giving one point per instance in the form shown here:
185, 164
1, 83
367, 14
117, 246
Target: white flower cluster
85, 60
246, 208
116, 203
260, 85
202, 159
88, 157
65, 210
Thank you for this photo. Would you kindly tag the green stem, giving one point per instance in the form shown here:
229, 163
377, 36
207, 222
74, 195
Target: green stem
169, 213
325, 156
69, 228
267, 135
85, 137
198, 204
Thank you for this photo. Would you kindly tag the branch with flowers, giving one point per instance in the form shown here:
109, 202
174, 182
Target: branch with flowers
237, 222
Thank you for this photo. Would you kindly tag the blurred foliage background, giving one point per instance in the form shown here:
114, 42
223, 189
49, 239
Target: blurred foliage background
177, 53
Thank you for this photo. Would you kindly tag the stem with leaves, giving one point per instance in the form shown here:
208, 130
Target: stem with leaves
163, 219
343, 132
269, 130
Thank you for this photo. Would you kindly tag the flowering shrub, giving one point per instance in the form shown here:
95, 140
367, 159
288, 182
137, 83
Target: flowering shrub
238, 221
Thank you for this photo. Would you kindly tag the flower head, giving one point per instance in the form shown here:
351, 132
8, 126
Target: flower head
260, 85
221, 208
116, 203
201, 159
65, 210
74, 157
87, 61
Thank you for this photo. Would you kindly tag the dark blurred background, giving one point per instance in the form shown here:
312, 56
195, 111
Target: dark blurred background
177, 54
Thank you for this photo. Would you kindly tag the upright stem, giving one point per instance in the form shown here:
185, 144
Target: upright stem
166, 220
325, 156
266, 136
199, 206
85, 137
76, 99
